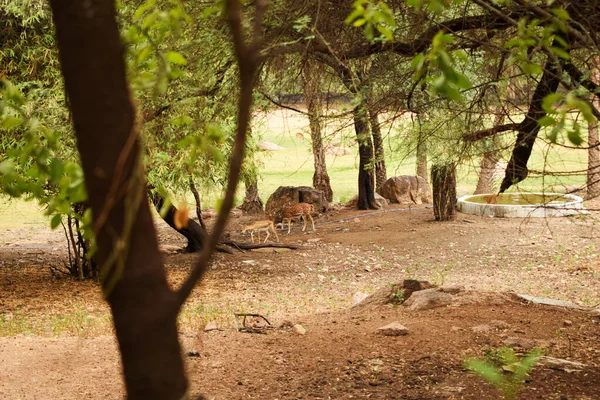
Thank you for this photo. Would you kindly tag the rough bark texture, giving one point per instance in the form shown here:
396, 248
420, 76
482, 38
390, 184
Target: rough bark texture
380, 170
529, 128
144, 308
193, 232
422, 159
198, 204
252, 205
593, 173
443, 179
314, 107
366, 179
487, 173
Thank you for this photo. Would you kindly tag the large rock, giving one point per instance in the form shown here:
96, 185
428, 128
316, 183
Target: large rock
287, 195
407, 189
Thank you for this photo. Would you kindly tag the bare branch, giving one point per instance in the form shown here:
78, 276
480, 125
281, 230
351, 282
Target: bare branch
482, 134
248, 61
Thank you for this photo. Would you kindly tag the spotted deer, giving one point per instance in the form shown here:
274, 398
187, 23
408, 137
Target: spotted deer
303, 210
258, 226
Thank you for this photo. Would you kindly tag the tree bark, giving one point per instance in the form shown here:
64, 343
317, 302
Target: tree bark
487, 172
366, 180
443, 179
593, 172
314, 107
134, 281
193, 232
528, 130
380, 170
252, 205
422, 158
198, 204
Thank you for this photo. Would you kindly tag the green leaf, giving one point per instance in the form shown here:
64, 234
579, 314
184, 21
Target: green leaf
144, 54
546, 121
143, 8
175, 58
358, 12
561, 13
574, 135
56, 170
11, 122
561, 52
359, 22
6, 167
531, 68
485, 370
548, 102
417, 61
56, 220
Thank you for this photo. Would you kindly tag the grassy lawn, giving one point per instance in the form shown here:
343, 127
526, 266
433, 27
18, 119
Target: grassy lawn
293, 166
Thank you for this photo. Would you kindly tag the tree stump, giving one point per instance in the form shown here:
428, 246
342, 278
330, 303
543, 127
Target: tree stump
443, 179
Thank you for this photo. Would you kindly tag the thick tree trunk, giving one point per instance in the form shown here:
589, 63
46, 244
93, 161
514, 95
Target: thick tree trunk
314, 107
422, 158
487, 173
443, 180
198, 204
252, 205
380, 171
193, 232
528, 130
366, 180
134, 281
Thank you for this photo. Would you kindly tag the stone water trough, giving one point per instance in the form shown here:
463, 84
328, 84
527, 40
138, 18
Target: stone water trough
522, 205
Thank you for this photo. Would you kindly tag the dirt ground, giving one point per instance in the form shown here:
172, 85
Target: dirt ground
56, 342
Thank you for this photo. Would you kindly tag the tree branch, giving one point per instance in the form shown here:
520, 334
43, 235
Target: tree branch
484, 133
248, 61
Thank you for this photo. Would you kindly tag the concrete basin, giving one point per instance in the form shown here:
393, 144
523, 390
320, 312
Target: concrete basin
521, 205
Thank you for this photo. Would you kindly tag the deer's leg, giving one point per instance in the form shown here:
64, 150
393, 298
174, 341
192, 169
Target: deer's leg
289, 225
252, 236
268, 234
275, 232
312, 221
303, 220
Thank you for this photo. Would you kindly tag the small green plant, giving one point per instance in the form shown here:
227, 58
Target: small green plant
504, 369
397, 296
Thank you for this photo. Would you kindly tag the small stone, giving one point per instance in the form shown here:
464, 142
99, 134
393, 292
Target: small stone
286, 324
249, 262
358, 297
500, 325
456, 329
314, 240
481, 328
300, 329
321, 277
211, 326
302, 275
566, 322
526, 344
357, 220
193, 353
393, 329
452, 289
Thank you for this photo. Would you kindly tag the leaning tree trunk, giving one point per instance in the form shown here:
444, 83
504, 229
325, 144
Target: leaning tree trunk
528, 129
366, 180
422, 158
193, 232
380, 170
443, 179
252, 205
314, 107
143, 307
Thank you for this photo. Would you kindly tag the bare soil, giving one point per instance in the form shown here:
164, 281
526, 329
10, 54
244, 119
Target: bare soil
56, 341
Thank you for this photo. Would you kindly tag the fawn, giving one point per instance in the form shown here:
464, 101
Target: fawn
303, 210
258, 226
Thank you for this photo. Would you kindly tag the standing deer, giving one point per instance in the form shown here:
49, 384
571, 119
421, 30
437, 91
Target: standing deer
302, 210
258, 226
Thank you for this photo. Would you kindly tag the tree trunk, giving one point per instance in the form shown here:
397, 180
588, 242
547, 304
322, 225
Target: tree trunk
528, 130
134, 281
193, 232
380, 171
252, 205
593, 172
422, 158
198, 204
487, 173
314, 107
366, 180
443, 179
